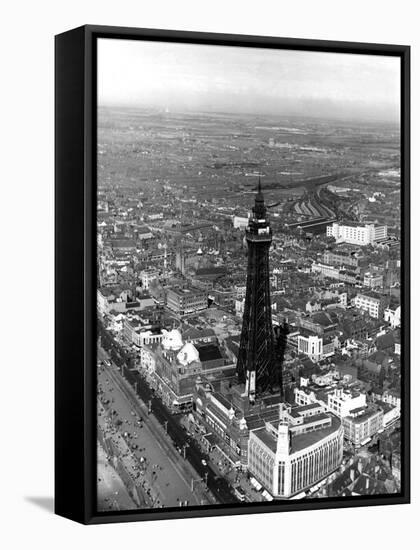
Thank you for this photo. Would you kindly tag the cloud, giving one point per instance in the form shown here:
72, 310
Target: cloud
222, 78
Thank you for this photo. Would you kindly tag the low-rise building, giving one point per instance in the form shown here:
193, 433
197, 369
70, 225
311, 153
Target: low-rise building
121, 300
240, 222
342, 401
349, 276
393, 316
317, 347
391, 413
373, 280
340, 258
311, 346
390, 396
186, 300
370, 303
362, 423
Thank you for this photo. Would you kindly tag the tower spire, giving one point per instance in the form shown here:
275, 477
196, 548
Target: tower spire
259, 208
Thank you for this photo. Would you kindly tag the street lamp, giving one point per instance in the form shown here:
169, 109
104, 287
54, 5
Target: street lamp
184, 449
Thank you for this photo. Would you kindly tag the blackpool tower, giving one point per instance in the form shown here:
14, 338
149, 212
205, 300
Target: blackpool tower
256, 367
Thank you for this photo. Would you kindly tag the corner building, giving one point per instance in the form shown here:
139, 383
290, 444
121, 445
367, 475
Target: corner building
291, 455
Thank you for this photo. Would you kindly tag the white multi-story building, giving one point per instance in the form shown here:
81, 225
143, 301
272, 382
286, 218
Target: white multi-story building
362, 423
371, 304
390, 396
354, 233
292, 455
311, 346
239, 307
326, 270
391, 413
341, 401
240, 222
186, 300
304, 396
373, 280
393, 316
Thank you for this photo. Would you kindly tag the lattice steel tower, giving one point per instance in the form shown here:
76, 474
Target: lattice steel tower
256, 365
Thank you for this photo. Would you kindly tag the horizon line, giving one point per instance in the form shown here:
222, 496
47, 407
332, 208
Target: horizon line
170, 110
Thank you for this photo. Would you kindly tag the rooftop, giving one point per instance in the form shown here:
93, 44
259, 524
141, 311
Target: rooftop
300, 441
362, 417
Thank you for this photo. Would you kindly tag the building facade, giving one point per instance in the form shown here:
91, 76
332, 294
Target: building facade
354, 233
289, 456
186, 300
362, 424
341, 401
373, 280
372, 304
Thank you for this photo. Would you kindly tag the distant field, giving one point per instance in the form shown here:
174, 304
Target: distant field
221, 153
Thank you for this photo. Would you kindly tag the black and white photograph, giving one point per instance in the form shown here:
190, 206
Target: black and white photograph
209, 274
249, 249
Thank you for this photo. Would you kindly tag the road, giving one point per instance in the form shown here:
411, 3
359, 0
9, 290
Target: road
219, 487
166, 474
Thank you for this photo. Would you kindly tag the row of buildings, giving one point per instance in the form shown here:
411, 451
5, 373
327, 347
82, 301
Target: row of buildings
283, 412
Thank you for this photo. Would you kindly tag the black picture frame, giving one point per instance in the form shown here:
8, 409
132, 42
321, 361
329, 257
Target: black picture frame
75, 271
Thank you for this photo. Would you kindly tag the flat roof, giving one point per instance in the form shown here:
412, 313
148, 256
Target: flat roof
363, 417
308, 407
301, 441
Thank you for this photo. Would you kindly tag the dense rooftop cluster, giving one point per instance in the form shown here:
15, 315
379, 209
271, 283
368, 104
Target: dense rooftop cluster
172, 280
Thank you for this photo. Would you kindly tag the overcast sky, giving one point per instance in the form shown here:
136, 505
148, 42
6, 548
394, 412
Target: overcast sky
249, 80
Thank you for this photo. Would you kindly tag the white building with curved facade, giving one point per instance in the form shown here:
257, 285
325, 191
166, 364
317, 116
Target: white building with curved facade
293, 454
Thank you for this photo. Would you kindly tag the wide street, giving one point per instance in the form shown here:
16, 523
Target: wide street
166, 475
163, 422
219, 486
